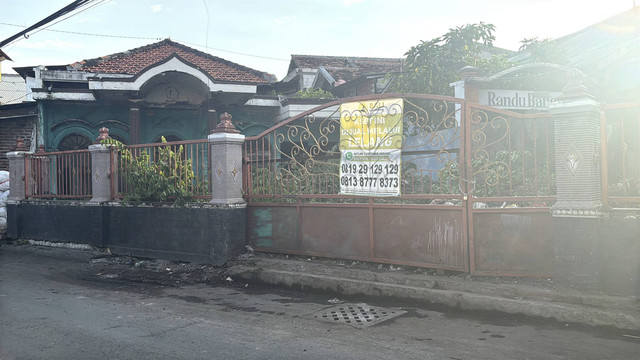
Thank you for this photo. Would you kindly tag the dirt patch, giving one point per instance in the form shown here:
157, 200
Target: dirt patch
158, 272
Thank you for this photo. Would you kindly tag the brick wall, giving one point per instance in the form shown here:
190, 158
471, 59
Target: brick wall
10, 129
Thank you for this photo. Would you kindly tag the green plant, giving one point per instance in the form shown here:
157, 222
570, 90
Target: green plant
162, 176
314, 93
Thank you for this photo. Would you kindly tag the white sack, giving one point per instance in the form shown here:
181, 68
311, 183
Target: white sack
4, 180
3, 198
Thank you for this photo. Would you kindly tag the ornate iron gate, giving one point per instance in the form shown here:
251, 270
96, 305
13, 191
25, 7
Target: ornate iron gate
449, 153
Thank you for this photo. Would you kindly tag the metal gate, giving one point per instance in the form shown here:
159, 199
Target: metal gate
467, 171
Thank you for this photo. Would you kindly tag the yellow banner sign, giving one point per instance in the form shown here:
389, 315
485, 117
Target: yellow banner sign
370, 147
371, 125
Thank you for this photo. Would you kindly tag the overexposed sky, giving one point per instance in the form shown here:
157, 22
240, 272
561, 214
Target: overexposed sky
262, 34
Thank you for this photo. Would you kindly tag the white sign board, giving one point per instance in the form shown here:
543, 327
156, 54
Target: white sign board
517, 99
370, 173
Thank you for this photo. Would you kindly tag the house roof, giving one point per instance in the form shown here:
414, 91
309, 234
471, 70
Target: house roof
347, 68
600, 44
4, 56
608, 40
13, 89
135, 61
606, 52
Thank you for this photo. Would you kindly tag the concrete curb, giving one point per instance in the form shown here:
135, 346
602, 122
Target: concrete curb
534, 302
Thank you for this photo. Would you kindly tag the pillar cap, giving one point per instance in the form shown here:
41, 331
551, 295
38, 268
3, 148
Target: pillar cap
20, 146
468, 72
225, 125
575, 88
104, 134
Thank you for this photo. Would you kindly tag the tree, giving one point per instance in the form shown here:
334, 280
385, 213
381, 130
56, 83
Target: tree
432, 65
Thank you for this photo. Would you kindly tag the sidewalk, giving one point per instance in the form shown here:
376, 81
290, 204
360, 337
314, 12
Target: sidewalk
463, 292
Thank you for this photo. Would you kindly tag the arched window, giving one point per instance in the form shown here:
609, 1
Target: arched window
74, 142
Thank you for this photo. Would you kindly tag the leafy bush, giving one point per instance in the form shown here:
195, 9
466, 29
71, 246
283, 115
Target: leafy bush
162, 176
314, 93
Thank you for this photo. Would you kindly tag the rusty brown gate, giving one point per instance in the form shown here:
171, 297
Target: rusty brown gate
475, 185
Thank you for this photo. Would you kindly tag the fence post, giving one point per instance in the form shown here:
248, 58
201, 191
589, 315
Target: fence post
578, 206
101, 169
226, 162
17, 188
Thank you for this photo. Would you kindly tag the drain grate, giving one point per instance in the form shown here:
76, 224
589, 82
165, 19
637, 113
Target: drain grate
356, 315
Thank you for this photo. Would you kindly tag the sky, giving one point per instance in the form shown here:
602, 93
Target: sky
263, 34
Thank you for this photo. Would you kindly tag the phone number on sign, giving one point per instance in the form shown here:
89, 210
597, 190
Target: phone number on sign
370, 182
373, 169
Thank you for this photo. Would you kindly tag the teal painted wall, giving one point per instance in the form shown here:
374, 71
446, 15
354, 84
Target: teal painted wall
63, 118
187, 124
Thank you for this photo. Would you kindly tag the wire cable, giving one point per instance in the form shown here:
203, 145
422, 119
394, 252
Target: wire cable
65, 10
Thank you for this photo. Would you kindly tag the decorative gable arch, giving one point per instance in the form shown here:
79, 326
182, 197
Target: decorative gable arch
173, 63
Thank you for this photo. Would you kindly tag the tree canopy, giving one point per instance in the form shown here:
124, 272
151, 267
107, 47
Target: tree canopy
432, 65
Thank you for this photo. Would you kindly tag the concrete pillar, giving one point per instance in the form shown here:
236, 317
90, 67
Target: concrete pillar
578, 210
577, 152
101, 169
226, 162
17, 190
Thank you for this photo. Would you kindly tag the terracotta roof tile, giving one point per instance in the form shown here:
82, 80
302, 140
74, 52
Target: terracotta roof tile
134, 61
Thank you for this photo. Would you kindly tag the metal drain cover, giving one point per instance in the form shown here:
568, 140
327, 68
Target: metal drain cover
356, 315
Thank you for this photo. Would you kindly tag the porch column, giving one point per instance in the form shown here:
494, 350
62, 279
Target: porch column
101, 169
17, 190
578, 209
134, 126
226, 162
212, 120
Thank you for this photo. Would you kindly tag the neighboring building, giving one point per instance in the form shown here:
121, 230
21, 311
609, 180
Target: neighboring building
609, 53
13, 89
3, 57
339, 75
343, 76
162, 89
17, 118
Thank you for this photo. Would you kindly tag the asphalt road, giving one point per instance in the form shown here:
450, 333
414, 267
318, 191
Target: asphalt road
55, 305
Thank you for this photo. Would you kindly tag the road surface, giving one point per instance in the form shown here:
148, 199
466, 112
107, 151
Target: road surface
58, 304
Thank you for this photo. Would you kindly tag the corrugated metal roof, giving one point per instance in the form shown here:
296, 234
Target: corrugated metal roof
13, 89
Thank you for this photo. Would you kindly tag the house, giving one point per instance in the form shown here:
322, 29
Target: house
162, 89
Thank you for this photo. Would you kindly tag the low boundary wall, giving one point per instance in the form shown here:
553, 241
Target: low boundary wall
201, 233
